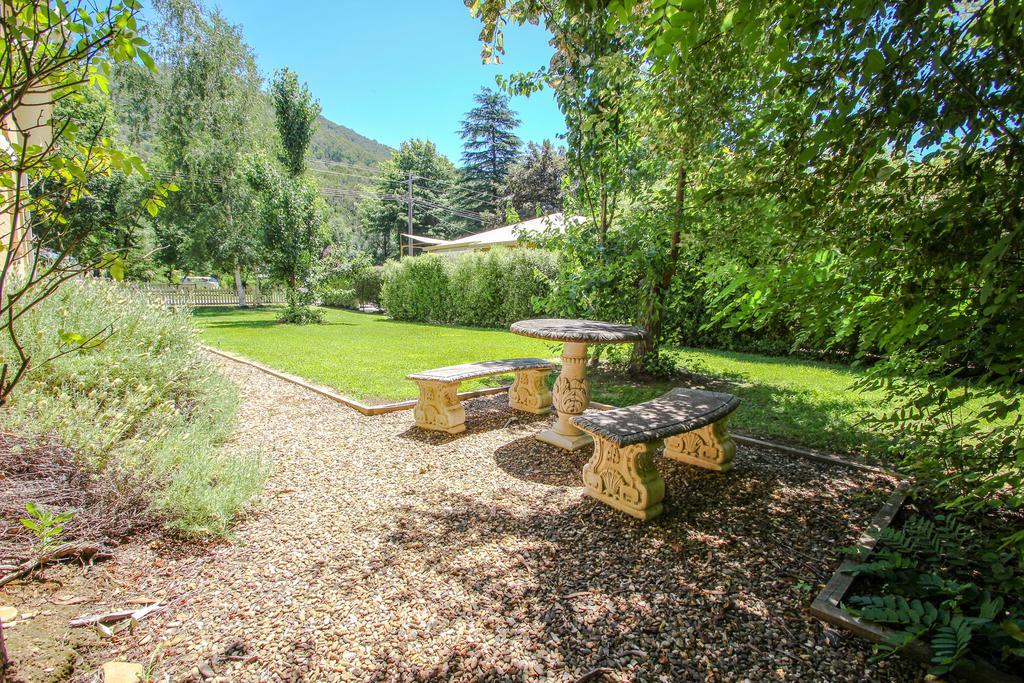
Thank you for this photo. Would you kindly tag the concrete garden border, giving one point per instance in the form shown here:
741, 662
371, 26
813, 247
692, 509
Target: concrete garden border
826, 605
407, 405
344, 400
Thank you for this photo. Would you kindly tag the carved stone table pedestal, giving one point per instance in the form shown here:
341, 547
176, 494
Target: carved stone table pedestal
571, 394
570, 398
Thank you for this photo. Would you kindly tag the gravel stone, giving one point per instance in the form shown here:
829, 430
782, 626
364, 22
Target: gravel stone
381, 552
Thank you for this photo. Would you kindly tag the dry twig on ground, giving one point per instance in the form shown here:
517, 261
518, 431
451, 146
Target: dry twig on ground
65, 551
108, 507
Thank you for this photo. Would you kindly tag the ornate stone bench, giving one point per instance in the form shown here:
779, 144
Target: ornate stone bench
439, 407
621, 473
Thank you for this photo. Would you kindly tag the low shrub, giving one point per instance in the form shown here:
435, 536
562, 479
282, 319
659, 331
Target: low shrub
484, 289
366, 284
300, 315
146, 402
339, 298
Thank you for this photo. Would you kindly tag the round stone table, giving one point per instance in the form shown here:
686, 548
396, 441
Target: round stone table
572, 389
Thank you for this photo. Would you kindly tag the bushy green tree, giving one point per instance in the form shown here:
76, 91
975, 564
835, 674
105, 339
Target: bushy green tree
642, 141
435, 189
208, 127
291, 215
533, 185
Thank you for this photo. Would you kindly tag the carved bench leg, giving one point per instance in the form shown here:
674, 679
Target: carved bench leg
710, 447
438, 408
530, 392
625, 478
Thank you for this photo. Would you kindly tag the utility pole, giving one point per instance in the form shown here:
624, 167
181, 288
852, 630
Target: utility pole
409, 212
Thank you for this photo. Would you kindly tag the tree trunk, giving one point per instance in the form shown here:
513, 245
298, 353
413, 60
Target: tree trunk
651, 315
238, 286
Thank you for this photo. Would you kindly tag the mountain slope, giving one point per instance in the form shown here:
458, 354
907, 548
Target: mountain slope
334, 142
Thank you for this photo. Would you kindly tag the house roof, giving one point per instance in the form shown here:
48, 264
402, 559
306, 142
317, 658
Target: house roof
424, 240
506, 234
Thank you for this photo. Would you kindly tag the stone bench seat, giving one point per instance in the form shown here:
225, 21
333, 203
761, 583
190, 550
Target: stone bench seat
439, 408
690, 422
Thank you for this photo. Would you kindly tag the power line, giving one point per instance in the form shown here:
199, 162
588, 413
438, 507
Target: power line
460, 232
456, 212
348, 193
439, 205
445, 215
459, 185
378, 173
464, 213
359, 194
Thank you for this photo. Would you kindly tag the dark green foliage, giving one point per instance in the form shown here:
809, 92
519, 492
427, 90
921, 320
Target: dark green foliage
207, 101
490, 289
533, 185
490, 147
603, 281
366, 285
106, 219
944, 583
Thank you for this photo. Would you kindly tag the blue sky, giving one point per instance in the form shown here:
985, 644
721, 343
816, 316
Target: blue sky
397, 70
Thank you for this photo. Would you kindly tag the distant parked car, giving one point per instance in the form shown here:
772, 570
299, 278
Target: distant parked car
201, 282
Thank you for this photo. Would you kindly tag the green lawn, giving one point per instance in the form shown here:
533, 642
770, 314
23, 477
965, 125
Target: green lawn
801, 402
367, 357
362, 355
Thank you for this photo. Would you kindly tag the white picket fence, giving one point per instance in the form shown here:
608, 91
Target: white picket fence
194, 297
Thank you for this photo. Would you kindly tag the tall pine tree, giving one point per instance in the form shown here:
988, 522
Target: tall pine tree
490, 147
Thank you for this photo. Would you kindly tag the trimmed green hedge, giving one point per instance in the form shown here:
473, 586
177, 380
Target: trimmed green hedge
484, 289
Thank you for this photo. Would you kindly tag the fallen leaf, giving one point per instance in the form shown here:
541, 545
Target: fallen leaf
70, 600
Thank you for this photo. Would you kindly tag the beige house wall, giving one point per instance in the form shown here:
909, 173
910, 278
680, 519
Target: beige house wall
29, 125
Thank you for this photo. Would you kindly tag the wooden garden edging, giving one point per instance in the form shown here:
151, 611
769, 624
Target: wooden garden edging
827, 605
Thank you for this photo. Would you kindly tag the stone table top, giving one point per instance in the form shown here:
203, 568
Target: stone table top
569, 330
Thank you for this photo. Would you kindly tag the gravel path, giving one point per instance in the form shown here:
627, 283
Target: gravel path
380, 552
